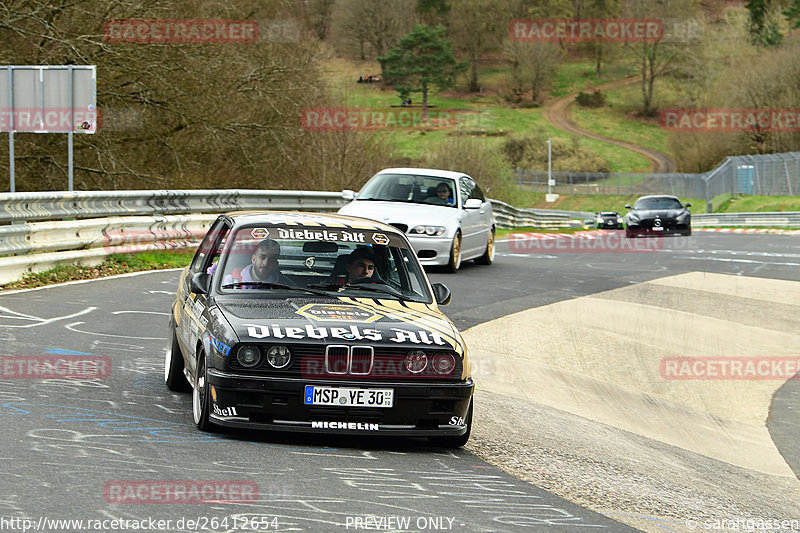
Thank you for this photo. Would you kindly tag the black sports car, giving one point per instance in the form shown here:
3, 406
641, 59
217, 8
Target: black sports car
609, 220
658, 215
307, 322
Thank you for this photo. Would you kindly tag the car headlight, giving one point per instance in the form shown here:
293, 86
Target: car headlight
443, 363
415, 361
619, 220
248, 355
682, 216
279, 356
632, 217
433, 231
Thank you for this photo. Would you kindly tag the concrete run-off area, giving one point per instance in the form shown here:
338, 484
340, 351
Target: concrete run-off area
582, 393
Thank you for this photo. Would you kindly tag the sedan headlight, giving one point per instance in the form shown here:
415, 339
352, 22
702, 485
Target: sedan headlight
682, 216
433, 231
279, 356
415, 361
633, 217
619, 220
249, 356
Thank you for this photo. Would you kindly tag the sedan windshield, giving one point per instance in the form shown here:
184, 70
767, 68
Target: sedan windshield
658, 203
321, 261
410, 189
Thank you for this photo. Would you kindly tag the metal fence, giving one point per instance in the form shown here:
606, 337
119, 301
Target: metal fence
766, 175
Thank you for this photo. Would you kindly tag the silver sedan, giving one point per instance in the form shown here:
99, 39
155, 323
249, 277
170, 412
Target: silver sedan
444, 214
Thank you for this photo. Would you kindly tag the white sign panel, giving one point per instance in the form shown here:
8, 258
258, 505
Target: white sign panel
48, 99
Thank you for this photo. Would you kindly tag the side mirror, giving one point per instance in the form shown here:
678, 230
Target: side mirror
473, 203
687, 204
627, 206
201, 283
441, 293
348, 195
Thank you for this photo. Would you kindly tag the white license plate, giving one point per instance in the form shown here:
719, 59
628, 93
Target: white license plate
658, 228
344, 397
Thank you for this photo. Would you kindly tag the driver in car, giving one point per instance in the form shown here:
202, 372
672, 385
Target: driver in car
263, 267
444, 192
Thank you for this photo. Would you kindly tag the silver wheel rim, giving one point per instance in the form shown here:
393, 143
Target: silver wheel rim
199, 386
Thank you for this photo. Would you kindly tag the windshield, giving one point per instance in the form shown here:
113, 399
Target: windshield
658, 203
321, 261
411, 189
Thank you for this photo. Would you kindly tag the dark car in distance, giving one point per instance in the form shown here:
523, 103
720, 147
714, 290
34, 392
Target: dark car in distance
658, 215
308, 322
609, 220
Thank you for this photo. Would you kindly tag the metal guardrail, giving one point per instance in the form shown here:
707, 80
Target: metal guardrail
102, 223
774, 219
95, 204
508, 217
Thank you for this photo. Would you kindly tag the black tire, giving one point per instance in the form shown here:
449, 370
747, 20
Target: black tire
174, 378
200, 396
456, 442
455, 255
629, 234
488, 256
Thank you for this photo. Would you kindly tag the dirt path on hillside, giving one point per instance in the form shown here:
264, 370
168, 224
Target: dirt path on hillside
557, 113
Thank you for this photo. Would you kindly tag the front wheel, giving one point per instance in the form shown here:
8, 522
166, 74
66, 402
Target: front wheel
455, 255
173, 365
488, 256
461, 440
200, 396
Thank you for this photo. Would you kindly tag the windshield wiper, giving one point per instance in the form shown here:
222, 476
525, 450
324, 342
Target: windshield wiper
360, 286
268, 285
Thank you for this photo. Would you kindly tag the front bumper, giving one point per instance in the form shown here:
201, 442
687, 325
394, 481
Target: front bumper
431, 251
646, 228
422, 409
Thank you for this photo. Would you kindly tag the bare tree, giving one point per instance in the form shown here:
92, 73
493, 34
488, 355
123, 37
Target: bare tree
379, 23
533, 65
478, 26
175, 115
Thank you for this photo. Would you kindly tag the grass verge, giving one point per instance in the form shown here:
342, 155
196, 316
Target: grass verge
113, 265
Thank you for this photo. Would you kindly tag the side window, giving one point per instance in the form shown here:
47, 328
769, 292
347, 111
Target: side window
211, 246
477, 193
467, 186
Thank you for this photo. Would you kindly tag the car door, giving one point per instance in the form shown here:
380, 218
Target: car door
472, 240
189, 326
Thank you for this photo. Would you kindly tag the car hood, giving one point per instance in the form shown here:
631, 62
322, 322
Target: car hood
402, 212
340, 320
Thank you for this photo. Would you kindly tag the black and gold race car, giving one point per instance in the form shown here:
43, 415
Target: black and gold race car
308, 322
